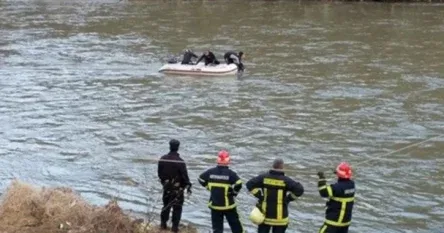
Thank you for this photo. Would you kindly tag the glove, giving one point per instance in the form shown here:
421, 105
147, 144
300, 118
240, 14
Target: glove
288, 199
321, 175
189, 189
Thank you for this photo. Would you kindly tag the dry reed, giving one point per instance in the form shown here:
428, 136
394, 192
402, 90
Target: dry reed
27, 209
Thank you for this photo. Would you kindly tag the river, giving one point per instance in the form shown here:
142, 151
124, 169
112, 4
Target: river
82, 103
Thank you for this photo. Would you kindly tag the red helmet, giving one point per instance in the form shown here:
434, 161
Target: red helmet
223, 158
343, 170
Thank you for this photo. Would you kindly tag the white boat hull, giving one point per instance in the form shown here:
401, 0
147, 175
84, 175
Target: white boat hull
200, 69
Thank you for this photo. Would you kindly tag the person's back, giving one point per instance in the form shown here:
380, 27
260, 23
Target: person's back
236, 58
233, 57
343, 191
173, 175
275, 191
338, 214
275, 204
171, 170
224, 185
209, 58
222, 194
187, 57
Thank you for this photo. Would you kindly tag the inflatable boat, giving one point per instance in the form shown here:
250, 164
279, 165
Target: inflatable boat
200, 69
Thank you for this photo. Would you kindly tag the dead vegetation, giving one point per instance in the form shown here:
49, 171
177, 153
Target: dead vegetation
27, 209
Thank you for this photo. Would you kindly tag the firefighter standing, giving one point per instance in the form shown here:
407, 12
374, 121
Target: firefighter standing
173, 175
224, 185
341, 199
275, 191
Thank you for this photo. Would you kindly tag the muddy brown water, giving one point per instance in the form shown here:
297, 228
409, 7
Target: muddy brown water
82, 103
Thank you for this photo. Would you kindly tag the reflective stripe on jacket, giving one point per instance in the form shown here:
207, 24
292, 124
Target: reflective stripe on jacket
340, 204
275, 191
223, 184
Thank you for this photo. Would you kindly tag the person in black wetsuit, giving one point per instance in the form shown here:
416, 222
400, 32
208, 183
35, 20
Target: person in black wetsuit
187, 56
173, 174
236, 58
209, 58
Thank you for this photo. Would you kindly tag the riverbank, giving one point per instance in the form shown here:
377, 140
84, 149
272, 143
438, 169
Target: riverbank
28, 209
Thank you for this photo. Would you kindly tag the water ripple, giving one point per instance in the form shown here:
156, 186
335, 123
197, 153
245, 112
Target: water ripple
83, 105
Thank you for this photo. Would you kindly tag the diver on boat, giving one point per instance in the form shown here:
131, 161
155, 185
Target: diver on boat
274, 191
173, 175
209, 58
187, 56
224, 185
236, 58
340, 202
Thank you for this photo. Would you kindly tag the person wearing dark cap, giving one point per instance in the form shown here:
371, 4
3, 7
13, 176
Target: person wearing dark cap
236, 58
274, 191
173, 174
224, 185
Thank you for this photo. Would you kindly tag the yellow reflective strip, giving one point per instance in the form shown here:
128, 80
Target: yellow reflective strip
343, 199
226, 197
280, 202
342, 212
323, 229
275, 222
294, 196
274, 182
226, 188
239, 182
264, 202
329, 191
322, 187
254, 191
222, 207
201, 180
218, 185
336, 224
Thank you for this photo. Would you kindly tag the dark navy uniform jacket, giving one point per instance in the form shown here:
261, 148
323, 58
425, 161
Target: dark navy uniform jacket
173, 173
341, 197
224, 184
275, 191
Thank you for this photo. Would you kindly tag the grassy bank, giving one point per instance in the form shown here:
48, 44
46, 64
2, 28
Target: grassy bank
28, 209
